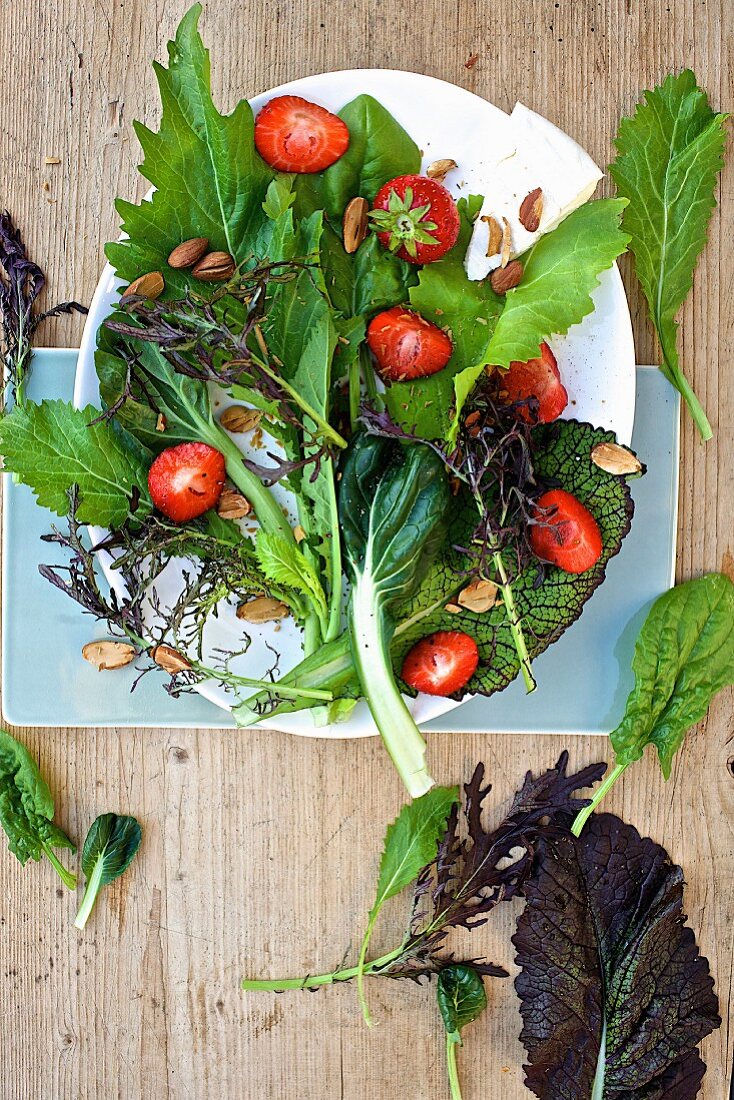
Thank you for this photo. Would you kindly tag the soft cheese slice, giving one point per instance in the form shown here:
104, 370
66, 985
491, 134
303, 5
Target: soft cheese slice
538, 155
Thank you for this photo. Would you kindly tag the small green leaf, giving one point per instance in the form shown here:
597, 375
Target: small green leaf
684, 655
669, 156
461, 997
109, 849
283, 563
53, 446
27, 808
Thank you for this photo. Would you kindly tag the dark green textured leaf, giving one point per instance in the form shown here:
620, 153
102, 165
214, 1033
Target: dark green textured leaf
461, 997
546, 610
109, 849
53, 446
683, 656
669, 155
210, 181
614, 993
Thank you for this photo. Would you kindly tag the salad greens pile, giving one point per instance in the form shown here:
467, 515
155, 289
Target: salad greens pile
375, 476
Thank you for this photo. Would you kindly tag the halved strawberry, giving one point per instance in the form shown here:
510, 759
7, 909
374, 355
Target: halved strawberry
535, 387
565, 532
294, 135
416, 218
187, 480
441, 664
406, 346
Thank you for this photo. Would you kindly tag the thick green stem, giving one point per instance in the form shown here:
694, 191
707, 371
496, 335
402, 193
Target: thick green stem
314, 981
67, 877
677, 378
91, 890
515, 625
325, 429
452, 1042
371, 652
267, 510
361, 962
583, 815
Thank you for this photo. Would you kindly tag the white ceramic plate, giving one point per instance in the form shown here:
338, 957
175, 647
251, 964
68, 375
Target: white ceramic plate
596, 359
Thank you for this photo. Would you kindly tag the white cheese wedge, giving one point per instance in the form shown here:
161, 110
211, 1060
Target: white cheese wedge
535, 153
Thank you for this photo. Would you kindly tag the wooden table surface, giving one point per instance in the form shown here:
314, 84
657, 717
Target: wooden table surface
260, 850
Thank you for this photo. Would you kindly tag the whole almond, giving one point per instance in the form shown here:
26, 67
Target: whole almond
354, 223
150, 285
479, 596
215, 267
188, 253
494, 243
440, 169
108, 655
263, 609
531, 210
238, 418
615, 459
169, 659
233, 505
505, 278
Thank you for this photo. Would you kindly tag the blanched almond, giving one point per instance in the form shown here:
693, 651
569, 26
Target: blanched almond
169, 659
150, 285
238, 418
263, 609
479, 596
108, 655
615, 459
494, 244
506, 243
298, 533
233, 505
354, 223
440, 169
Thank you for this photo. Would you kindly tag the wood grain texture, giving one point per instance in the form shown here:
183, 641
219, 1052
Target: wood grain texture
259, 849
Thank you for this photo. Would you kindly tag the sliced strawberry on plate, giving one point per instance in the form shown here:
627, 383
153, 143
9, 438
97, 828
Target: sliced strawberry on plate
565, 533
295, 135
442, 663
187, 480
535, 387
416, 218
406, 346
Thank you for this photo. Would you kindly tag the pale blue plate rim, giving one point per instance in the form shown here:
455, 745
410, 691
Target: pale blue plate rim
583, 679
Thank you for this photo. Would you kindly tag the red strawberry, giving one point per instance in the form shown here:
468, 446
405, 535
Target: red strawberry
406, 346
539, 379
186, 481
416, 218
294, 135
565, 533
441, 664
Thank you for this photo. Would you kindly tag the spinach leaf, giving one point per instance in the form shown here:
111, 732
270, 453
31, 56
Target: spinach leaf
669, 155
411, 842
683, 656
379, 149
111, 844
614, 994
53, 446
393, 507
461, 999
27, 809
209, 179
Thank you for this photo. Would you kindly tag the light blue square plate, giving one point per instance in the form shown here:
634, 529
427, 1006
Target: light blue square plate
583, 680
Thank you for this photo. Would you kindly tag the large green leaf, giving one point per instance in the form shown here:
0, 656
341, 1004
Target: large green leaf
560, 272
53, 446
669, 156
683, 656
563, 456
26, 805
210, 181
109, 849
